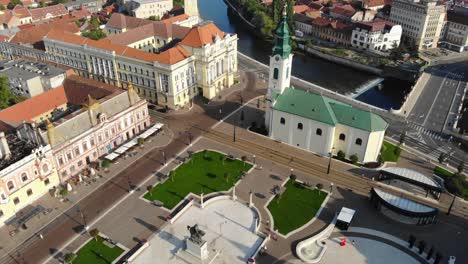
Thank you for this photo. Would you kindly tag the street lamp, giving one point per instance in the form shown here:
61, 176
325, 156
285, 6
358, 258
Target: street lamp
234, 132
331, 187
451, 205
330, 154
253, 157
190, 137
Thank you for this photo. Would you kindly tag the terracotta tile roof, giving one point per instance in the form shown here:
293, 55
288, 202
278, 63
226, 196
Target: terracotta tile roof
120, 21
81, 13
174, 19
299, 9
316, 6
167, 31
374, 3
321, 21
36, 32
202, 35
48, 12
110, 9
340, 26
170, 56
33, 107
375, 26
27, 2
75, 91
21, 11
4, 2
344, 10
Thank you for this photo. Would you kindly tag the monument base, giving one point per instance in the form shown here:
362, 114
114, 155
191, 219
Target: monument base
189, 258
198, 250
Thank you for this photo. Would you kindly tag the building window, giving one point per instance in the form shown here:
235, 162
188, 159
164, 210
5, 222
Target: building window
10, 185
69, 156
342, 137
24, 176
77, 151
275, 73
283, 121
318, 132
72, 169
29, 192
45, 169
60, 161
299, 126
46, 182
80, 163
16, 201
359, 141
92, 142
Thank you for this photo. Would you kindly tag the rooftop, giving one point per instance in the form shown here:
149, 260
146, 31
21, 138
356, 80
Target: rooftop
326, 110
75, 91
344, 10
120, 21
413, 176
202, 34
403, 203
375, 26
458, 15
19, 149
27, 69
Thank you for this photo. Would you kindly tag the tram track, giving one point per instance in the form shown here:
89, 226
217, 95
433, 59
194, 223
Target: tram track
353, 182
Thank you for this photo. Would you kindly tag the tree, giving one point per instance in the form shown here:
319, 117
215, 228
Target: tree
5, 93
397, 151
141, 141
105, 163
42, 4
95, 21
402, 137
149, 188
442, 157
70, 257
411, 241
341, 155
13, 3
244, 158
179, 3
461, 167
293, 177
2, 7
319, 187
94, 34
276, 10
354, 158
94, 233
56, 2
421, 246
154, 18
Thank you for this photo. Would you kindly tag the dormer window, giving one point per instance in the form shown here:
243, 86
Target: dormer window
102, 117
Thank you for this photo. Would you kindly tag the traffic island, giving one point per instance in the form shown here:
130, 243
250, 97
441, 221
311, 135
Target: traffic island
204, 172
295, 206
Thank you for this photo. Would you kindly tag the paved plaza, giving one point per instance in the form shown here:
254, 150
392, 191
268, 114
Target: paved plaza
363, 250
229, 227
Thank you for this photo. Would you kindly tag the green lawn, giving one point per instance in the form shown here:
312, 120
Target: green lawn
200, 174
389, 152
439, 171
97, 253
297, 205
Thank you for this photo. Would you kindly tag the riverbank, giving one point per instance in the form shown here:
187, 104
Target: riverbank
384, 71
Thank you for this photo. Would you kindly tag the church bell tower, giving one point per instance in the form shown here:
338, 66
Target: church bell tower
280, 66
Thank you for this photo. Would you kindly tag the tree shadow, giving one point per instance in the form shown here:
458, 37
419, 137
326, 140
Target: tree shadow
260, 195
211, 175
275, 177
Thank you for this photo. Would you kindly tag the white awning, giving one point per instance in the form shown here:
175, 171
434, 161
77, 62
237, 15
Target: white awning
403, 203
112, 156
121, 150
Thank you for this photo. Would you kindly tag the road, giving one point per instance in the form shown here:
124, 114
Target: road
423, 131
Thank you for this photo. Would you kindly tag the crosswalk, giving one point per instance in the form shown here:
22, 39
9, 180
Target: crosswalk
423, 131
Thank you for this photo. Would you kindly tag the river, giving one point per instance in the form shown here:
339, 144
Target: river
332, 76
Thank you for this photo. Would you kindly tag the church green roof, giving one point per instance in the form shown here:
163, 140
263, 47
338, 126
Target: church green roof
282, 45
327, 110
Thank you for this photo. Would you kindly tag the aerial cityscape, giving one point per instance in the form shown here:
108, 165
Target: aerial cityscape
233, 131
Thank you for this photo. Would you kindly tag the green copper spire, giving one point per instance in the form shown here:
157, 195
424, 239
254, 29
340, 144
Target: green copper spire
282, 46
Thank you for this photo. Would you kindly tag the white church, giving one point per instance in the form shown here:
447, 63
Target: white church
314, 122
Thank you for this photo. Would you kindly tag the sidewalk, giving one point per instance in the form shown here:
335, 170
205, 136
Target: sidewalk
39, 224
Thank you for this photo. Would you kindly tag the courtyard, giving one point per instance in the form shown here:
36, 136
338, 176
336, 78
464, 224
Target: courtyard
295, 207
205, 172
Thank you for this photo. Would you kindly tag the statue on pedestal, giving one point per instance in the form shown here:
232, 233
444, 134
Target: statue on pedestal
196, 234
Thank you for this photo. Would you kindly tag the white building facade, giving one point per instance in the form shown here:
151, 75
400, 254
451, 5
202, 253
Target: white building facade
421, 20
148, 8
376, 37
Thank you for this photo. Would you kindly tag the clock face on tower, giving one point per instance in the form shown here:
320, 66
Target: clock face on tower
277, 58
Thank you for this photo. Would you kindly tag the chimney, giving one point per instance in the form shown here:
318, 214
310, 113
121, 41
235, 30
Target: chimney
5, 152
